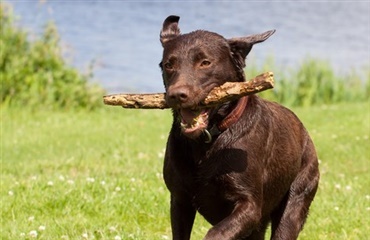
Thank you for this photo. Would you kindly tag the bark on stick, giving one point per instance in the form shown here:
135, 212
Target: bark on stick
224, 93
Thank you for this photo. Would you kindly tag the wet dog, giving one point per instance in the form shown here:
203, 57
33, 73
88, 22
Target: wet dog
241, 165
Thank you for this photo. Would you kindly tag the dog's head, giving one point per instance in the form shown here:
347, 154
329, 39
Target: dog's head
194, 63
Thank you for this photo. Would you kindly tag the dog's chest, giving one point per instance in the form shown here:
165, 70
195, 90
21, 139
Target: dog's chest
211, 197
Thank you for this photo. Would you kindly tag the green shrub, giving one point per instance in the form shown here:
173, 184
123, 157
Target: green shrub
34, 73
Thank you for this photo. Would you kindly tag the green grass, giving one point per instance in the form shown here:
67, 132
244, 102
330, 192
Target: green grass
99, 173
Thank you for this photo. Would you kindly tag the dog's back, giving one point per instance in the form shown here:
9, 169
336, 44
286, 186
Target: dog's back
241, 165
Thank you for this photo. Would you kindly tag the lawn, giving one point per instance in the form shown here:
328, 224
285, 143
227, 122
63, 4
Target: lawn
97, 175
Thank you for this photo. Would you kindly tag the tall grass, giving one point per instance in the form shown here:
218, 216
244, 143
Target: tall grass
314, 82
34, 73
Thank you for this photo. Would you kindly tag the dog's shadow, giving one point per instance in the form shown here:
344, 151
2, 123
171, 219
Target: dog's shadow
225, 161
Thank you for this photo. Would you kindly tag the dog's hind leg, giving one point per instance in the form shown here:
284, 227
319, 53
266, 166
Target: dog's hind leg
289, 219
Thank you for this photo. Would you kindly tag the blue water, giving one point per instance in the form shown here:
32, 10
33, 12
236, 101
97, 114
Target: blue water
122, 37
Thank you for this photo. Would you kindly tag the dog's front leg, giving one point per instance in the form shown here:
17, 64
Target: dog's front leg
239, 224
182, 218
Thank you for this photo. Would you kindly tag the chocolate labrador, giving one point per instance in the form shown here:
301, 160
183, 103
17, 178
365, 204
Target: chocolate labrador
242, 165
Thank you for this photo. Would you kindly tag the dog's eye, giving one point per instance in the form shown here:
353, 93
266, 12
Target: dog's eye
205, 63
168, 66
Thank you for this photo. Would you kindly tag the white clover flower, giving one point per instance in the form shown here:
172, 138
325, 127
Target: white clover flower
336, 208
61, 178
30, 219
117, 189
165, 237
159, 175
90, 179
348, 188
70, 182
337, 186
22, 234
50, 183
132, 180
112, 229
11, 193
84, 235
161, 154
117, 238
102, 183
140, 155
42, 228
33, 234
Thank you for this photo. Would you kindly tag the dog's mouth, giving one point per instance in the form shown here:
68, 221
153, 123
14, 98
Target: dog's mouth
193, 122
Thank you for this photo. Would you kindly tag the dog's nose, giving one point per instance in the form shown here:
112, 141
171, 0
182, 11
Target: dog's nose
179, 95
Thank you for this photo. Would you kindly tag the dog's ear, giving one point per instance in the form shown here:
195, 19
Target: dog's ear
240, 47
243, 45
170, 29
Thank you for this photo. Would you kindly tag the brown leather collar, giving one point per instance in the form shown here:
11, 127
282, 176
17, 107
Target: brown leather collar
234, 115
229, 120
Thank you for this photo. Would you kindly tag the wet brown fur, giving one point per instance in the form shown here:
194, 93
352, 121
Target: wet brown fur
263, 169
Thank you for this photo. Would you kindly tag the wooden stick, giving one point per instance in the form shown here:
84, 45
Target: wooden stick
224, 93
